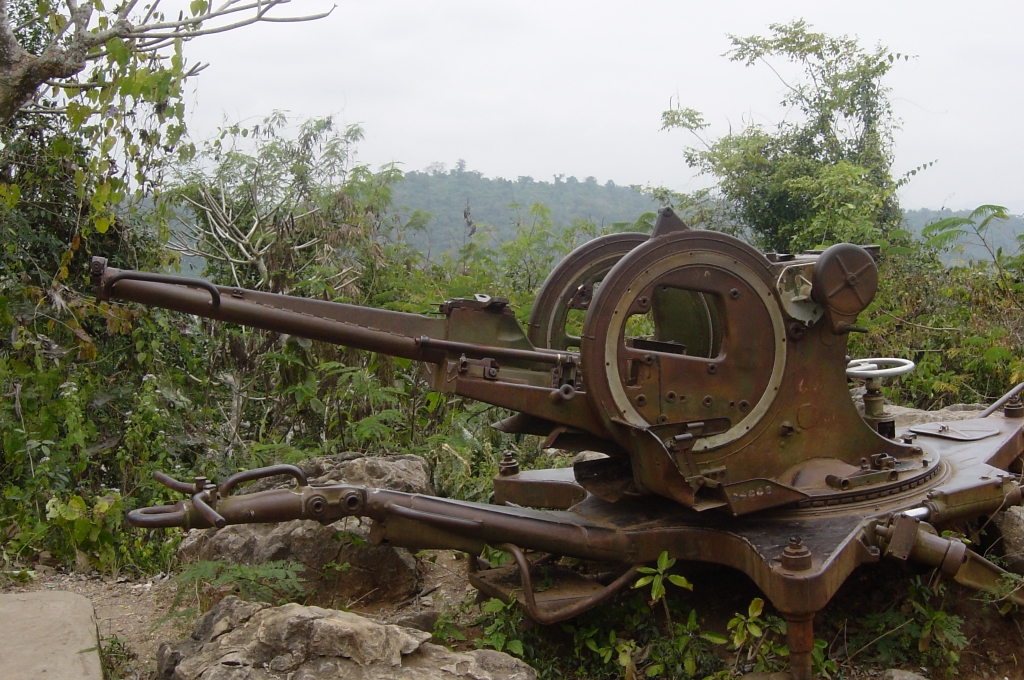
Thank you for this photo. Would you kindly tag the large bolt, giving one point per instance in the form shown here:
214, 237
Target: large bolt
508, 465
796, 556
1014, 408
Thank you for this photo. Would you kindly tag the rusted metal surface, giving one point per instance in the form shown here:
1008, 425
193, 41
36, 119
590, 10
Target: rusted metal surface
714, 376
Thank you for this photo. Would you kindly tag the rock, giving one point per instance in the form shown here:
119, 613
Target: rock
341, 564
897, 674
906, 417
424, 620
240, 640
1010, 523
48, 635
408, 473
584, 456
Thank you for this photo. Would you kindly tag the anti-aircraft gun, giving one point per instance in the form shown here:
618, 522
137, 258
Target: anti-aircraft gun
713, 377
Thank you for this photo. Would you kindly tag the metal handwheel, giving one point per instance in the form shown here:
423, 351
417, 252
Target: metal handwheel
874, 368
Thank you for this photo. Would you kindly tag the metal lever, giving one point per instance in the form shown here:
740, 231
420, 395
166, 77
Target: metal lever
174, 484
159, 517
128, 275
200, 503
547, 616
260, 473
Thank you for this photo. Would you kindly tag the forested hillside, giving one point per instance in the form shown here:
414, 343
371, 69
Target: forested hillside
502, 203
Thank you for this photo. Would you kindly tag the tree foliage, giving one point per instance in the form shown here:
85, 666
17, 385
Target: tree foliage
92, 93
823, 174
460, 201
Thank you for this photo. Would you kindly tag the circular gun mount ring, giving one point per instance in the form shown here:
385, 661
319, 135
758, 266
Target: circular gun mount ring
688, 312
570, 286
875, 367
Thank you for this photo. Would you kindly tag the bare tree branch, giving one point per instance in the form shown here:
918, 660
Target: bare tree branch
74, 44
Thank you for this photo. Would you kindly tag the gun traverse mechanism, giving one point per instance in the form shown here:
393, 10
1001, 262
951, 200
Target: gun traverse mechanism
713, 376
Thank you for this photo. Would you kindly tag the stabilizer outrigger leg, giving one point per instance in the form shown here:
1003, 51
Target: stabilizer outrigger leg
799, 574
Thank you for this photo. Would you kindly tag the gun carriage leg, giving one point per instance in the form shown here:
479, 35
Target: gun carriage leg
800, 641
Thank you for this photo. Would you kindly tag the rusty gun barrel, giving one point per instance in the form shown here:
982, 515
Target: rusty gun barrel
400, 334
378, 330
475, 348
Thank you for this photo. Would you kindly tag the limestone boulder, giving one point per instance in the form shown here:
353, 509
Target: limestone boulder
239, 640
897, 674
408, 473
906, 417
1010, 524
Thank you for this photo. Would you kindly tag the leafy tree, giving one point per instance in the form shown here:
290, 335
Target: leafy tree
822, 175
97, 90
260, 200
95, 53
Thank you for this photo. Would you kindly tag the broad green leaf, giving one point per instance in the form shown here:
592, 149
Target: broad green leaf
493, 606
81, 529
714, 638
755, 608
515, 647
657, 589
118, 51
680, 581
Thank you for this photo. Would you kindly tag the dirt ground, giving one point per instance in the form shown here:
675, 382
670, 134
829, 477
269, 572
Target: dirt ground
132, 610
125, 609
136, 611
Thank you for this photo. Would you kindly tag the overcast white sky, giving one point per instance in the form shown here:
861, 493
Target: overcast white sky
545, 88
